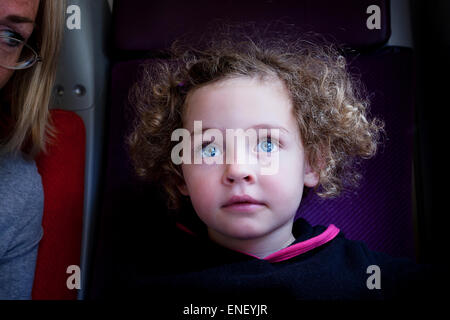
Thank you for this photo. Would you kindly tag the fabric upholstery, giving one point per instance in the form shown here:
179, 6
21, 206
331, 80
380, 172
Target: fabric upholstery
149, 25
62, 171
380, 211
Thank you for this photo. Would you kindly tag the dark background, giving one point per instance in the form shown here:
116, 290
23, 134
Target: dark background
431, 36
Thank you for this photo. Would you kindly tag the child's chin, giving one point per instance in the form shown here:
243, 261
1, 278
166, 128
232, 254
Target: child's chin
246, 233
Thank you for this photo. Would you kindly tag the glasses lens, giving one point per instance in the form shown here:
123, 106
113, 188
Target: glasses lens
16, 54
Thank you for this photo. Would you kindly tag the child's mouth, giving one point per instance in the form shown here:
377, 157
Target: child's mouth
242, 203
243, 207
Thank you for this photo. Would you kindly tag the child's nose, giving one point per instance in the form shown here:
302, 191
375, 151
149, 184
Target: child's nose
238, 173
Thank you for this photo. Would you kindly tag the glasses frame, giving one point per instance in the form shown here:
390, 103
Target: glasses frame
37, 57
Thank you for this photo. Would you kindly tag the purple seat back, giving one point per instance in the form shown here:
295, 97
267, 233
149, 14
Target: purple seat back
379, 212
152, 25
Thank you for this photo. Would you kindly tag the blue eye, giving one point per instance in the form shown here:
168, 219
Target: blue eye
210, 151
267, 146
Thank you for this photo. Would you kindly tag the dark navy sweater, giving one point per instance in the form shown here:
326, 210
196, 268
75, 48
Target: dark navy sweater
192, 268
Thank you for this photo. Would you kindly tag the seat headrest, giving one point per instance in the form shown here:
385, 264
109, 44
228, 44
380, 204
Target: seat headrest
141, 25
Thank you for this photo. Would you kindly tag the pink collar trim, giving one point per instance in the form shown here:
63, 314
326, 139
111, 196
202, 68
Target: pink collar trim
292, 251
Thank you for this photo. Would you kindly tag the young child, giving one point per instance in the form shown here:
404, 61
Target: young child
236, 236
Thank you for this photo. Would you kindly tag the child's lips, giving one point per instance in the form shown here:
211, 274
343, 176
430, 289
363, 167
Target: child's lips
243, 203
243, 207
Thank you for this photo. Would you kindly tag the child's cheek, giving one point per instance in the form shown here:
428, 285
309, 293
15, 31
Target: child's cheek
287, 183
203, 185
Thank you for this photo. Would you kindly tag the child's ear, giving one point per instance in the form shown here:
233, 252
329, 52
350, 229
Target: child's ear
311, 177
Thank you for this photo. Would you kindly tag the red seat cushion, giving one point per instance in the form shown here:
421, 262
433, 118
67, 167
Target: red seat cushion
62, 171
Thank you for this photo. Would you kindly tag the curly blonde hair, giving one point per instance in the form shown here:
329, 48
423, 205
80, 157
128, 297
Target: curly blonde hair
328, 103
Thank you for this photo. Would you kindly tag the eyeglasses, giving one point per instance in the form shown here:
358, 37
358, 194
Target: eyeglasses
15, 54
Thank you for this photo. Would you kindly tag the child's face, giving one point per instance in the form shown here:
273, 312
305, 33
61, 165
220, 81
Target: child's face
244, 103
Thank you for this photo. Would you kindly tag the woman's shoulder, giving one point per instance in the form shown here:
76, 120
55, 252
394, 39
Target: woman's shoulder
21, 209
21, 191
18, 172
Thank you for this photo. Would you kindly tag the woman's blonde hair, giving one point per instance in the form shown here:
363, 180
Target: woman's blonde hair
30, 90
329, 104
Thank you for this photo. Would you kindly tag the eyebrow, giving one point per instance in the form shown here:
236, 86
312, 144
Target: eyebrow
19, 19
269, 126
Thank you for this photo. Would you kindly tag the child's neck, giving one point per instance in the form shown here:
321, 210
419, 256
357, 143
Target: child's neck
260, 247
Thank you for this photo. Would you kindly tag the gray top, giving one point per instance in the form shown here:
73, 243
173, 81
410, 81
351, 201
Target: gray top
21, 208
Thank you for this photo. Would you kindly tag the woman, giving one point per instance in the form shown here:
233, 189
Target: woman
30, 35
